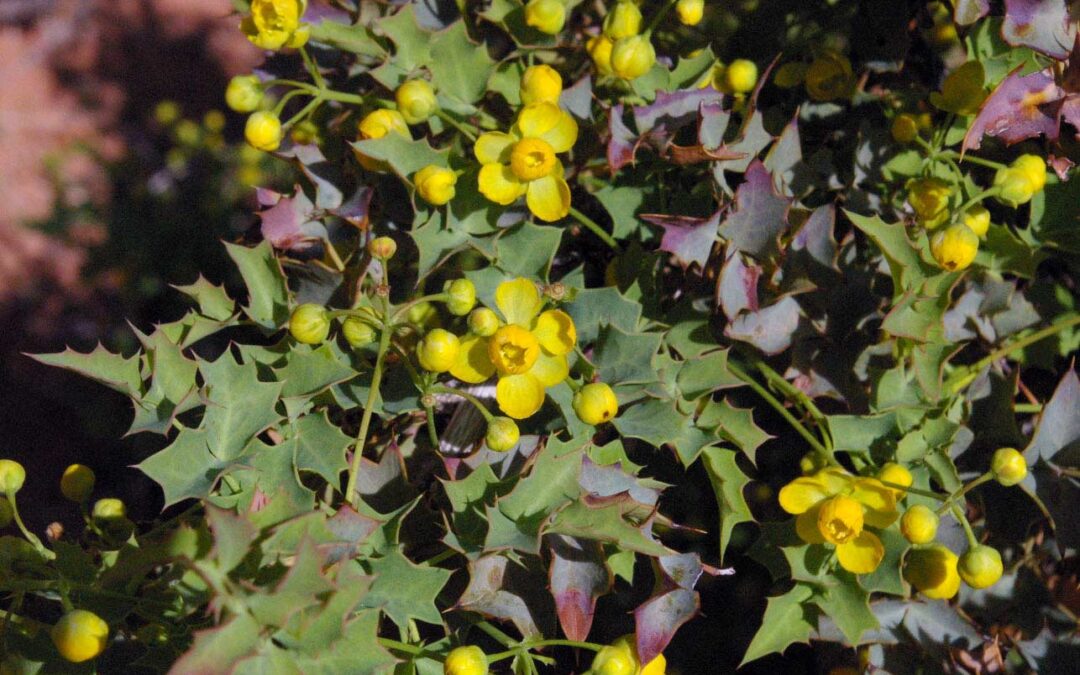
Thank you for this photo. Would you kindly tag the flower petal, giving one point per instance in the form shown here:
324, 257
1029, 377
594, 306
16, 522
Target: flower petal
548, 198
807, 527
537, 119
861, 555
519, 396
518, 300
499, 184
556, 332
802, 494
493, 147
563, 135
880, 501
473, 364
550, 370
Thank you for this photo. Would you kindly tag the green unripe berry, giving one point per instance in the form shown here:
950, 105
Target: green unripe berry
502, 434
358, 333
919, 524
310, 324
595, 403
77, 483
438, 351
470, 660
109, 509
12, 476
244, 93
416, 101
980, 566
1008, 466
462, 298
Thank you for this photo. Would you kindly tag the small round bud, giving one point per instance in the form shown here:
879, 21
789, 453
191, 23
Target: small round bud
263, 131
438, 351
244, 93
977, 218
617, 658
469, 660
436, 184
462, 299
624, 20
595, 403
1008, 466
540, 84
416, 101
358, 333
929, 198
632, 57
919, 524
502, 434
80, 635
305, 133
54, 531
379, 123
980, 566
1015, 186
166, 113
12, 476
7, 514
896, 474
830, 77
690, 11
77, 483
382, 248
954, 248
904, 128
599, 48
483, 322
108, 509
812, 462
310, 324
1034, 167
740, 76
546, 16
423, 314
932, 571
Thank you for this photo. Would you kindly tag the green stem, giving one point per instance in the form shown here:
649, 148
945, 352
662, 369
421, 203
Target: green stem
304, 112
445, 117
496, 634
405, 307
784, 412
792, 392
658, 18
407, 648
959, 515
1028, 408
438, 558
365, 422
334, 257
341, 96
959, 494
525, 646
989, 192
440, 389
594, 228
30, 536
433, 435
280, 107
312, 68
990, 164
962, 378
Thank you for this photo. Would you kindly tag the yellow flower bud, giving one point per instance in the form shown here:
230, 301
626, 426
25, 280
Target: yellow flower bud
358, 333
166, 113
382, 248
929, 197
977, 218
595, 403
310, 324
80, 635
812, 462
423, 314
624, 20
1034, 167
1008, 466
919, 524
904, 128
932, 571
954, 248
632, 57
540, 84
739, 76
462, 298
599, 48
615, 659
690, 11
980, 566
438, 350
244, 93
436, 184
379, 123
263, 131
469, 660
483, 322
830, 77
1015, 186
791, 74
502, 434
898, 475
305, 132
546, 16
416, 101
77, 483
12, 476
109, 509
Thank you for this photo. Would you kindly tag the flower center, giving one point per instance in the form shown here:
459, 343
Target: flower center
532, 158
840, 519
513, 350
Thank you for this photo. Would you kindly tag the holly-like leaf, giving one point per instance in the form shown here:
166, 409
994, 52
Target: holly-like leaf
404, 155
112, 370
459, 67
736, 425
848, 605
788, 619
404, 590
760, 214
626, 358
578, 576
605, 520
233, 536
217, 649
728, 482
770, 329
687, 238
291, 223
185, 468
705, 374
311, 370
238, 404
1021, 107
657, 619
509, 593
213, 301
172, 385
268, 294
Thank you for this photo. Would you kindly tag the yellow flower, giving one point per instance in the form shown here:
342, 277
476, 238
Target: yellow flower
1008, 466
904, 128
739, 77
962, 91
980, 566
621, 658
595, 403
416, 101
830, 77
502, 434
436, 184
546, 16
599, 48
528, 353
898, 475
624, 20
274, 24
632, 57
929, 197
438, 351
80, 635
690, 11
540, 84
834, 507
523, 162
932, 571
263, 131
469, 660
977, 218
310, 324
77, 483
244, 93
954, 248
919, 524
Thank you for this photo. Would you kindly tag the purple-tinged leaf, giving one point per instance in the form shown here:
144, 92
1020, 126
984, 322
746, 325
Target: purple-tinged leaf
816, 236
658, 618
1057, 438
215, 650
785, 157
737, 285
760, 214
1063, 165
577, 100
967, 12
1022, 106
769, 329
357, 209
290, 223
689, 239
712, 123
501, 592
1044, 25
609, 480
682, 569
1070, 112
352, 529
578, 576
621, 145
671, 111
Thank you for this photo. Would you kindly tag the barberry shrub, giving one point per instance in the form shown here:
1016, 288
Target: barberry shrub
547, 264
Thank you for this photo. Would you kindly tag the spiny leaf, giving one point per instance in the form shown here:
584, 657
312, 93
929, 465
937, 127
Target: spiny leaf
728, 481
112, 370
787, 619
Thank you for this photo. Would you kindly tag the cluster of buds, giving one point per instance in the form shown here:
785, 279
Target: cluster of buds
621, 49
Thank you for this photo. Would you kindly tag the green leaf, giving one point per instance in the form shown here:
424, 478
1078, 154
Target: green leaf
594, 307
606, 522
268, 294
358, 651
625, 358
528, 249
310, 371
788, 619
298, 590
217, 649
412, 44
728, 482
238, 404
185, 468
319, 446
213, 301
405, 591
655, 421
887, 577
907, 266
860, 433
233, 536
736, 425
550, 484
706, 374
458, 66
622, 204
848, 605
112, 370
172, 385
404, 155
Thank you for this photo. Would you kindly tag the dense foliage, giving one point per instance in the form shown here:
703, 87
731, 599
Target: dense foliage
539, 256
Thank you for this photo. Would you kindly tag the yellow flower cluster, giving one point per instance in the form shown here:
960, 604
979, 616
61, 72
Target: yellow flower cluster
274, 24
620, 49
